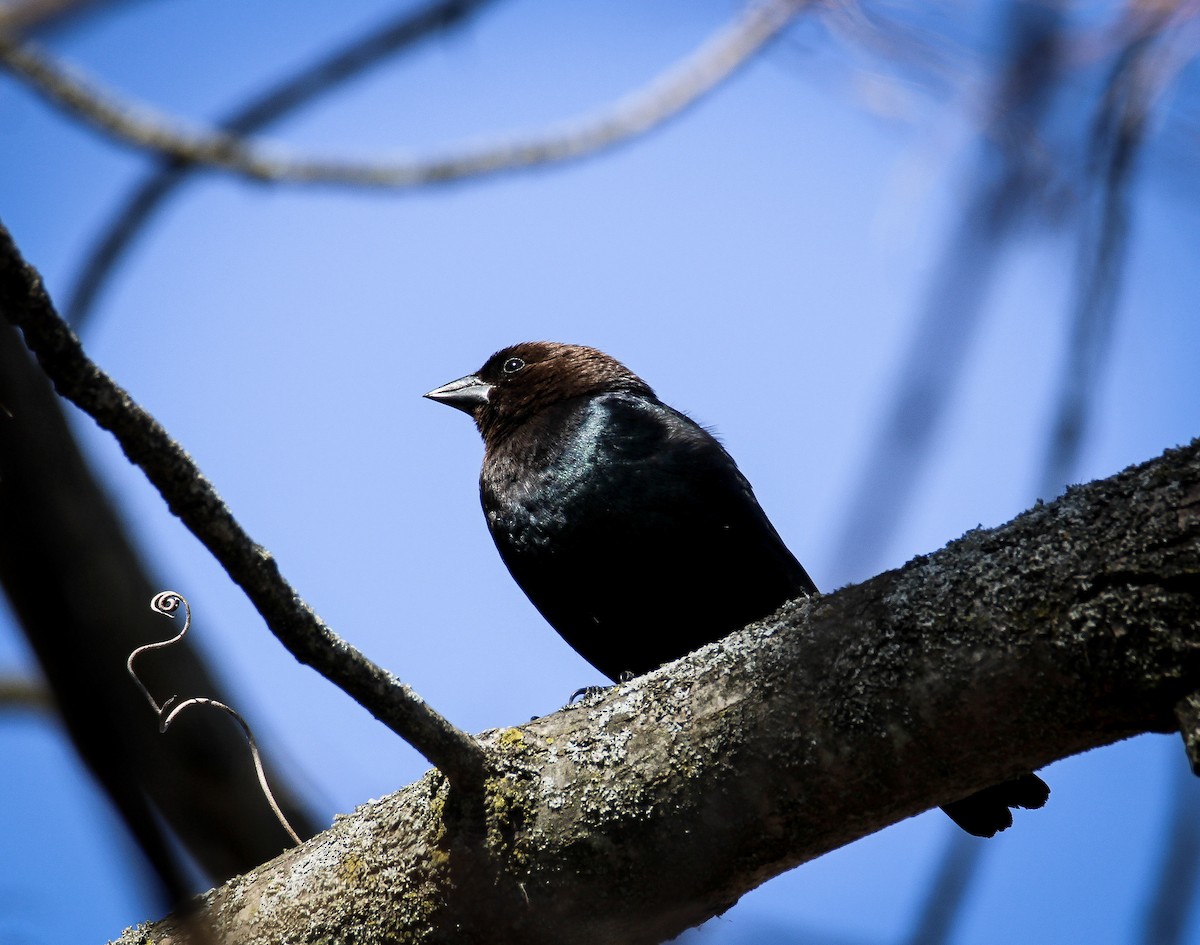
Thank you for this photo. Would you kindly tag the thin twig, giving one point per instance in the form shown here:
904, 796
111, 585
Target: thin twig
24, 302
664, 97
168, 603
280, 99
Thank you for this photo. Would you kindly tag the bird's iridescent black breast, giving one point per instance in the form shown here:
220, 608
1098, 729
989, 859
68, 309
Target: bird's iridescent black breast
632, 531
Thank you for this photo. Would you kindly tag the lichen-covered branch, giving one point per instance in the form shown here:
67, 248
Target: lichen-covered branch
189, 495
642, 110
655, 806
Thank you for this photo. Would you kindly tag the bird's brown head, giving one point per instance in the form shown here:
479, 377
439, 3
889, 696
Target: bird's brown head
518, 382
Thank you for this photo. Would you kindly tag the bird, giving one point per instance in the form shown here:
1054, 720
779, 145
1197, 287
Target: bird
630, 527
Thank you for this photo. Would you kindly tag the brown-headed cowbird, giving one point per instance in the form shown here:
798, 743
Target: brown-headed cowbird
629, 526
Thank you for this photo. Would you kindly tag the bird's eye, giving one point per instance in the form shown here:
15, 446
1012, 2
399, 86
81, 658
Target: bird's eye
512, 365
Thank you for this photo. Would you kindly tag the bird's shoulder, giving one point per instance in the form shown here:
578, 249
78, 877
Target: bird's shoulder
615, 454
592, 438
636, 428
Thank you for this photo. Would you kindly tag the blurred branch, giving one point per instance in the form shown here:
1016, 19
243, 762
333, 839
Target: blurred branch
279, 100
1137, 81
18, 692
21, 17
948, 889
193, 499
1172, 894
1008, 179
865, 31
635, 114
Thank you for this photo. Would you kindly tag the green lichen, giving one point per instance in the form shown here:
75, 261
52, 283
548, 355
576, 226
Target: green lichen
510, 812
353, 868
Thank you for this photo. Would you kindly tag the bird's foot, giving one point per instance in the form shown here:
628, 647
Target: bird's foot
986, 812
581, 694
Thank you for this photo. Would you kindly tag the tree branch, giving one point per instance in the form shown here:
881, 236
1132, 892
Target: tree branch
18, 692
189, 495
639, 112
1142, 71
27, 16
79, 590
281, 98
653, 807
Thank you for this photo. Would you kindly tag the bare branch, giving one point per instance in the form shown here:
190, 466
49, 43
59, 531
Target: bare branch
1140, 75
635, 114
191, 496
19, 692
649, 809
280, 99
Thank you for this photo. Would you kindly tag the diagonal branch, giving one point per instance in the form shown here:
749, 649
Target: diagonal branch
78, 588
649, 809
635, 114
23, 301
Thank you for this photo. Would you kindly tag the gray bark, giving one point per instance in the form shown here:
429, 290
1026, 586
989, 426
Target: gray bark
655, 806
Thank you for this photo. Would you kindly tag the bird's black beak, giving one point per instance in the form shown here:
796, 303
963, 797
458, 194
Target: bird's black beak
466, 394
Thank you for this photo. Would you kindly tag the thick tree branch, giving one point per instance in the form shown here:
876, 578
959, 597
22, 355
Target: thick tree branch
649, 809
23, 301
667, 95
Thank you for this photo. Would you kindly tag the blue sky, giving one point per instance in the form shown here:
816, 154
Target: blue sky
760, 261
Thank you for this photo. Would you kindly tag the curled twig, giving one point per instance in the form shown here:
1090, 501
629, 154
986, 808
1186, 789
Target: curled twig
168, 604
